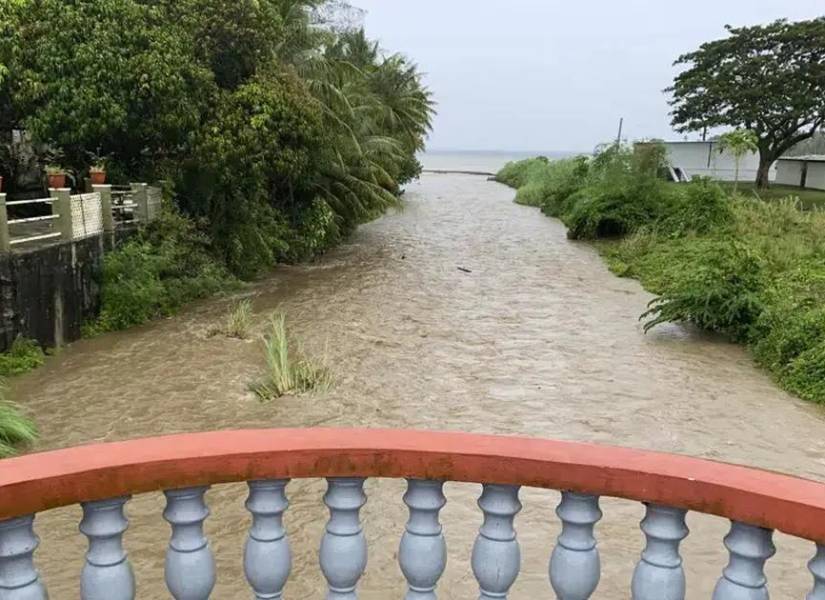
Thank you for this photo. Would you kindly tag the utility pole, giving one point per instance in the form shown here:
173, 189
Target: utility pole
619, 137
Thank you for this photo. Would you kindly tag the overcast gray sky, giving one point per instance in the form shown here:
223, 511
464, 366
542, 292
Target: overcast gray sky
553, 74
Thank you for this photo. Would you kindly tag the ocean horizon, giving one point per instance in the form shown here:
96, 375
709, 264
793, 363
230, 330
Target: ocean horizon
486, 161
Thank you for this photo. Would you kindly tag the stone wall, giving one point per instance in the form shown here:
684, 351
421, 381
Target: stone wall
48, 293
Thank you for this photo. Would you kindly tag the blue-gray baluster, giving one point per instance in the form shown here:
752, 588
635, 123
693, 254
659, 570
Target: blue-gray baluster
107, 574
190, 568
575, 567
423, 551
496, 552
19, 580
659, 574
267, 559
817, 567
744, 577
344, 548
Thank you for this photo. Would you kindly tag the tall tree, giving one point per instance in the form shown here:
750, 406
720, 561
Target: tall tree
769, 79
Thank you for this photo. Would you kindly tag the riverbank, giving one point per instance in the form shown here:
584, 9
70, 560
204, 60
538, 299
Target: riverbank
749, 269
539, 340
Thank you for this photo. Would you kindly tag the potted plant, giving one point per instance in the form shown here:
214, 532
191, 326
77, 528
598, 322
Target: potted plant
97, 173
57, 176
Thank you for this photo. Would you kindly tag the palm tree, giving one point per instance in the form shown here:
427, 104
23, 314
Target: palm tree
739, 142
376, 110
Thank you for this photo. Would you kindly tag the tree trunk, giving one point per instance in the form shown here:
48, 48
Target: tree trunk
764, 172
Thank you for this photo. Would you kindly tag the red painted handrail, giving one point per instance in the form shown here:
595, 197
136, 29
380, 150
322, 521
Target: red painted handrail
39, 482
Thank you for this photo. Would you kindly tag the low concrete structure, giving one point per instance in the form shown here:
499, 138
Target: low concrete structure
802, 171
709, 159
104, 477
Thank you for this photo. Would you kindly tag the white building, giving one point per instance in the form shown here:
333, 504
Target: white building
802, 171
708, 159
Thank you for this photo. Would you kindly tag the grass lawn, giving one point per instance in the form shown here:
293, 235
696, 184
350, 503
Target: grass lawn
809, 198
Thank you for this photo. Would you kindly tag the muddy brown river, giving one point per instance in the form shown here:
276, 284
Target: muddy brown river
537, 339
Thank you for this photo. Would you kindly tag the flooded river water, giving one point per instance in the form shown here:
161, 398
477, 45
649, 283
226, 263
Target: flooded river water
537, 339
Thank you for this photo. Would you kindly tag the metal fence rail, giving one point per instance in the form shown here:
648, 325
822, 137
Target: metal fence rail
76, 217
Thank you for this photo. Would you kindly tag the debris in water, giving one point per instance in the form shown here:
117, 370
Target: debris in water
463, 270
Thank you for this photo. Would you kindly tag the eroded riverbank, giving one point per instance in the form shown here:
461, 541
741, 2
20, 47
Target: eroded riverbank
537, 339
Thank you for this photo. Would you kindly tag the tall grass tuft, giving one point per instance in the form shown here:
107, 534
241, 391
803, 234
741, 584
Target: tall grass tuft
239, 320
287, 370
15, 428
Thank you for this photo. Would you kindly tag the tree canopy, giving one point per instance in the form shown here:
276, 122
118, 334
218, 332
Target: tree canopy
266, 121
769, 79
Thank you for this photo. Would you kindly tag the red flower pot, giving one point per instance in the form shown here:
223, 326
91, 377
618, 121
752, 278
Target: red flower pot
57, 180
97, 177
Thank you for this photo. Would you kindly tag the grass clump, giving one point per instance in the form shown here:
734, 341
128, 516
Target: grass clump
287, 370
23, 356
750, 269
16, 429
238, 321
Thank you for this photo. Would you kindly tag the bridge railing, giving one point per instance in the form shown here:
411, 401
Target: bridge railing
102, 478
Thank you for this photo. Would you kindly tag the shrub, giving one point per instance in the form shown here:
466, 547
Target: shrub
316, 232
794, 317
23, 356
806, 375
624, 193
715, 285
154, 275
518, 173
699, 207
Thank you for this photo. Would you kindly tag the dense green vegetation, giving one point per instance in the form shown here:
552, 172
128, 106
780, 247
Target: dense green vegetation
749, 269
276, 134
166, 265
23, 356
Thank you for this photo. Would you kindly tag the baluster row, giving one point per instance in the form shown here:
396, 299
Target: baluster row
575, 566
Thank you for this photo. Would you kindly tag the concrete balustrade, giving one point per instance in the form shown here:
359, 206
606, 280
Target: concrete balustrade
145, 201
184, 466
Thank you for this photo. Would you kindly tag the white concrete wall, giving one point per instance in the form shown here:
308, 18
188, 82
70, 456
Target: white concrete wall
789, 172
705, 159
816, 176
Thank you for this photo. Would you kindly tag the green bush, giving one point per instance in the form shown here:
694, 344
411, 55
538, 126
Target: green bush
806, 375
700, 207
23, 356
716, 285
548, 185
793, 321
518, 173
168, 265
